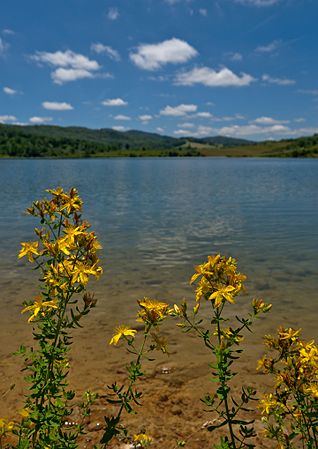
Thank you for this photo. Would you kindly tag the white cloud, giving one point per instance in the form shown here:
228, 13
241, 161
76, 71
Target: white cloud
203, 12
8, 32
160, 130
269, 121
278, 81
114, 102
154, 56
234, 56
9, 91
253, 130
186, 125
3, 47
119, 128
267, 132
57, 106
303, 131
204, 114
71, 66
113, 13
299, 120
121, 117
313, 92
67, 59
269, 48
204, 131
145, 118
229, 118
257, 2
61, 76
39, 120
109, 51
181, 132
7, 118
178, 111
209, 77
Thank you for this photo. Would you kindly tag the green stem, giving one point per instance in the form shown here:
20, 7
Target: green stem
217, 314
132, 381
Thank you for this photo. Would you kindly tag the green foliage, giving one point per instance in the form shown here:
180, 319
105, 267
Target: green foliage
290, 412
65, 254
219, 283
59, 142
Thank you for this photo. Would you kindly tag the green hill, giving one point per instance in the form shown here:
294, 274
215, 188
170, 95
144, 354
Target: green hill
58, 142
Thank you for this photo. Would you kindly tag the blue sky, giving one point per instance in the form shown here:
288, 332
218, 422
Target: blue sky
241, 68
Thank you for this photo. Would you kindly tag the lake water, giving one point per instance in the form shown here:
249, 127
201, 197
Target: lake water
157, 218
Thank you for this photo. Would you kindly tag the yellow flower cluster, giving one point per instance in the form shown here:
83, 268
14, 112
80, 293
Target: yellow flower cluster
61, 203
5, 426
270, 404
66, 250
39, 306
151, 313
219, 280
142, 440
293, 404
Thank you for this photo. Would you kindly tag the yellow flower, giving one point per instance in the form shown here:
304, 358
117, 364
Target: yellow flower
259, 306
152, 311
312, 390
224, 293
29, 249
142, 439
122, 331
57, 247
25, 412
308, 351
265, 363
71, 232
205, 269
288, 334
58, 192
38, 305
5, 426
229, 334
72, 202
81, 273
268, 404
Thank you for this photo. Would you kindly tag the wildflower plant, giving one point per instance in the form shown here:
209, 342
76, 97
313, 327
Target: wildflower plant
290, 412
151, 314
219, 283
65, 254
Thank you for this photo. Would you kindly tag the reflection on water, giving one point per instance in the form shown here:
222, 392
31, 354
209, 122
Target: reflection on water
157, 218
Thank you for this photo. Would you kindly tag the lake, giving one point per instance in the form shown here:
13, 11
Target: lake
156, 219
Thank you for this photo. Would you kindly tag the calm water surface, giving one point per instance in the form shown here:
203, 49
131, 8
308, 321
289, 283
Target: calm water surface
157, 218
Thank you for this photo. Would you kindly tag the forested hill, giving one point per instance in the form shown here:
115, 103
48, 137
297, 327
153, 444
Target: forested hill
59, 142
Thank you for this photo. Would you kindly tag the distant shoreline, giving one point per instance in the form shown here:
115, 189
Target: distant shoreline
56, 142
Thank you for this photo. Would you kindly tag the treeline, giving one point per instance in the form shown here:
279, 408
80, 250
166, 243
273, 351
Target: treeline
53, 141
76, 142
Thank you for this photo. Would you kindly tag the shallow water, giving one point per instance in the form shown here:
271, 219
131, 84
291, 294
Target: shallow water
156, 218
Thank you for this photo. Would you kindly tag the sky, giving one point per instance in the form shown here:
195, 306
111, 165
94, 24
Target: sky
239, 68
